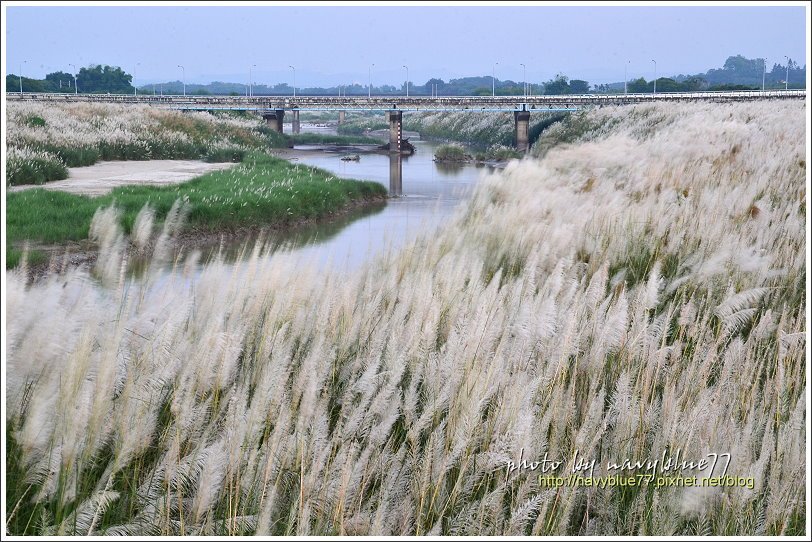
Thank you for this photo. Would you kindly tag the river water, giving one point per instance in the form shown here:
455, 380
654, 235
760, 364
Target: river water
424, 196
427, 196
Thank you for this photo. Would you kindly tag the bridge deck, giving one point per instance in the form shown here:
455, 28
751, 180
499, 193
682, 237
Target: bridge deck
403, 103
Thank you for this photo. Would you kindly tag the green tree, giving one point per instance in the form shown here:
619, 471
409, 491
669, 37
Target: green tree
29, 85
665, 84
639, 86
59, 82
558, 85
579, 86
100, 78
693, 84
428, 87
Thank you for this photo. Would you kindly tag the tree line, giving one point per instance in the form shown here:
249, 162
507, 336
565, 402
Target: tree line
91, 79
738, 73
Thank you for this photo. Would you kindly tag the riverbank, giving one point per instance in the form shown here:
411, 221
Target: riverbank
101, 178
263, 191
43, 141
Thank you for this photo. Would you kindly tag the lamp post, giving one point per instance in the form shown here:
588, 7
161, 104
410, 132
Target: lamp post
407, 80
524, 78
493, 80
763, 73
75, 86
294, 79
135, 76
369, 87
625, 77
655, 76
21, 75
251, 80
786, 80
184, 78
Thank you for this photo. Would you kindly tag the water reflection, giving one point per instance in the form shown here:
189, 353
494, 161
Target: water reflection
450, 168
427, 195
395, 174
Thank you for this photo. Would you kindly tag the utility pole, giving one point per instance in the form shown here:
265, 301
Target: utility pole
655, 76
493, 80
21, 75
786, 80
75, 84
764, 74
407, 80
370, 81
524, 79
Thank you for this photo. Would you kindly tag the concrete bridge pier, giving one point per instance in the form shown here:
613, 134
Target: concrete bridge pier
395, 174
274, 119
395, 130
521, 130
342, 117
295, 123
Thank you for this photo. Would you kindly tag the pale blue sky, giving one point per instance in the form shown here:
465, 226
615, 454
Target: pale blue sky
337, 44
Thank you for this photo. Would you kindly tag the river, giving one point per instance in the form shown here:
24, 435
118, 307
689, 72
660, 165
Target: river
426, 196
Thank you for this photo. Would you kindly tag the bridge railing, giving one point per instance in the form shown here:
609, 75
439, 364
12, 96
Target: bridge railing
415, 103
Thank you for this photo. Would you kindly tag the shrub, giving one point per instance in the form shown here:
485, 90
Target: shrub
451, 153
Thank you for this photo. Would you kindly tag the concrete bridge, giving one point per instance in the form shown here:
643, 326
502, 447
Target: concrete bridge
273, 108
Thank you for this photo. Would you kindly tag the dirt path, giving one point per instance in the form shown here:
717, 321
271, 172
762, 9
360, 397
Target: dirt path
101, 178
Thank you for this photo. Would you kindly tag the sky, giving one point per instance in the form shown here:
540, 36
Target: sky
330, 45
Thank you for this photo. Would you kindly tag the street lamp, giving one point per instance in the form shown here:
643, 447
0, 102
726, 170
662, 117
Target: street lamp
21, 75
184, 78
524, 78
763, 73
251, 80
786, 80
294, 79
407, 80
135, 76
625, 77
493, 80
369, 87
655, 76
75, 86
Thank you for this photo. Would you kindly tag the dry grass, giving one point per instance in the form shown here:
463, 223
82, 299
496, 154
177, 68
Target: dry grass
45, 138
619, 297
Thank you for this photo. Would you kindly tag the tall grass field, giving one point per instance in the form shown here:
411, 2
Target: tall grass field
46, 139
634, 292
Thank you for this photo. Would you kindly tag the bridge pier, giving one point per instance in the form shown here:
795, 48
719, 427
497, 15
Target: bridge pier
395, 130
274, 119
521, 130
342, 117
295, 123
395, 174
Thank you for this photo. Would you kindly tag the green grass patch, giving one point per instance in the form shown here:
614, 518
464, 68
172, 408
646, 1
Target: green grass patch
14, 256
451, 153
263, 191
34, 170
34, 120
331, 139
